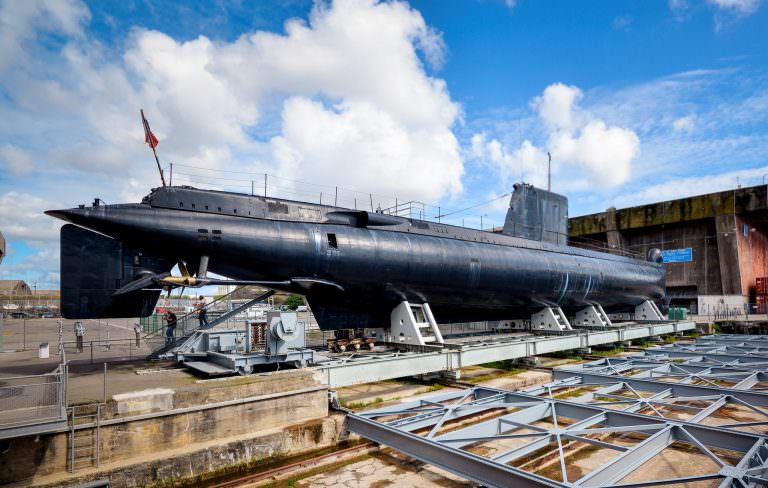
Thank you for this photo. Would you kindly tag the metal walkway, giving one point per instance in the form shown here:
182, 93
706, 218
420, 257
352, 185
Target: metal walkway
628, 413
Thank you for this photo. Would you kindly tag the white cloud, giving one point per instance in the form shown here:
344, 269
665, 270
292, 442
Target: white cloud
15, 160
622, 22
556, 107
22, 21
725, 11
740, 6
510, 4
581, 144
22, 218
684, 124
527, 162
317, 139
351, 76
37, 268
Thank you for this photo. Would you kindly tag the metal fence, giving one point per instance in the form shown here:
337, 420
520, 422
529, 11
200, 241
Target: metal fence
32, 399
111, 349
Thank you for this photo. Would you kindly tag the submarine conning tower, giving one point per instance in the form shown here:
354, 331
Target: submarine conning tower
537, 214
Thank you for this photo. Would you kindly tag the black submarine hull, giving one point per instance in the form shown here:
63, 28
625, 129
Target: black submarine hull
353, 275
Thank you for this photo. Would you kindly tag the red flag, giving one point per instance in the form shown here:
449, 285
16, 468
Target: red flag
152, 142
149, 137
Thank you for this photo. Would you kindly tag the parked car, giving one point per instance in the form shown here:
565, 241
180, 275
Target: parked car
21, 315
301, 308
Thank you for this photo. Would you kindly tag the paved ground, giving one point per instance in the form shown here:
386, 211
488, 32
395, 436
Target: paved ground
386, 469
22, 338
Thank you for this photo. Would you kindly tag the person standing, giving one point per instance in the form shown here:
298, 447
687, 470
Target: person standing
79, 335
202, 313
137, 331
170, 326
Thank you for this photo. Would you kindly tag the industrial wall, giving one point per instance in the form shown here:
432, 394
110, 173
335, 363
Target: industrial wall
149, 436
753, 252
723, 237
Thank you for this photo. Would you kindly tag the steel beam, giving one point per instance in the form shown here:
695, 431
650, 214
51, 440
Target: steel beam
370, 368
538, 420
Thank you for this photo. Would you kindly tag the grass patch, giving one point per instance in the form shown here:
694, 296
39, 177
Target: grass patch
571, 393
641, 343
492, 376
361, 405
506, 365
670, 339
608, 352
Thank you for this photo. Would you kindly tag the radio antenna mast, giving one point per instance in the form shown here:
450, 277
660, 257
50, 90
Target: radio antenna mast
549, 172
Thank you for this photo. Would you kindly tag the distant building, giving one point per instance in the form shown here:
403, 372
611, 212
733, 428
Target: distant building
16, 294
715, 245
14, 288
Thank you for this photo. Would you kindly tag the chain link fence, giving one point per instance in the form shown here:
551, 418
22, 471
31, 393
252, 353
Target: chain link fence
33, 399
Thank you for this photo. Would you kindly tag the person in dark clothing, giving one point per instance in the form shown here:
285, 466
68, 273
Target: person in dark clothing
170, 326
202, 313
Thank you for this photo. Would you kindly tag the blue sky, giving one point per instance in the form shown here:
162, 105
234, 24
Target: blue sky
447, 103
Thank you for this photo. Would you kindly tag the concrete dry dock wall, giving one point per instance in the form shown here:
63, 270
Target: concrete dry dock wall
154, 435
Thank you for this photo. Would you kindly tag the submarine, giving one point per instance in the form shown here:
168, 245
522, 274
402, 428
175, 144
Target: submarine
356, 268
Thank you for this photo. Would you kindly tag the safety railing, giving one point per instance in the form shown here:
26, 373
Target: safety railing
32, 400
110, 349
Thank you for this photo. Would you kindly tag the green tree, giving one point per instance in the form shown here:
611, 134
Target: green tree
294, 301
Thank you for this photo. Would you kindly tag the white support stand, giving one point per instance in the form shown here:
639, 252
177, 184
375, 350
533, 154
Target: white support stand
414, 324
592, 315
648, 311
550, 318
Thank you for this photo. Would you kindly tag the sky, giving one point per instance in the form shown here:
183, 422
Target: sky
367, 103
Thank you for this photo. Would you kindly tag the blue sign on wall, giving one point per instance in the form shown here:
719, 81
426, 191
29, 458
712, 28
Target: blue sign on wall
684, 255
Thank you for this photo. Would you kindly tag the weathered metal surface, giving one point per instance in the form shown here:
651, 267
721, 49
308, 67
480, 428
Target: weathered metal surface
689, 209
355, 266
537, 214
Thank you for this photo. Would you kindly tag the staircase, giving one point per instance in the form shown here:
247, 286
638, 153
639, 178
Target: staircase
189, 325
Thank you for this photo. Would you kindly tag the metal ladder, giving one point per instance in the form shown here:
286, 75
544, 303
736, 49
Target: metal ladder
84, 436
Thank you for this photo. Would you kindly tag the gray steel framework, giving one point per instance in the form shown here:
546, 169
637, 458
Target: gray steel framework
500, 439
717, 349
741, 376
366, 368
713, 404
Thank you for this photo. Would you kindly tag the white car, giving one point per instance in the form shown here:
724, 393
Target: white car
301, 308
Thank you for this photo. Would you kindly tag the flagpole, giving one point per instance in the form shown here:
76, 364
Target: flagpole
148, 132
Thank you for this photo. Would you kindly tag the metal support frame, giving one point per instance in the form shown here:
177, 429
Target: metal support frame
592, 316
366, 368
722, 349
648, 311
502, 439
550, 318
413, 323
